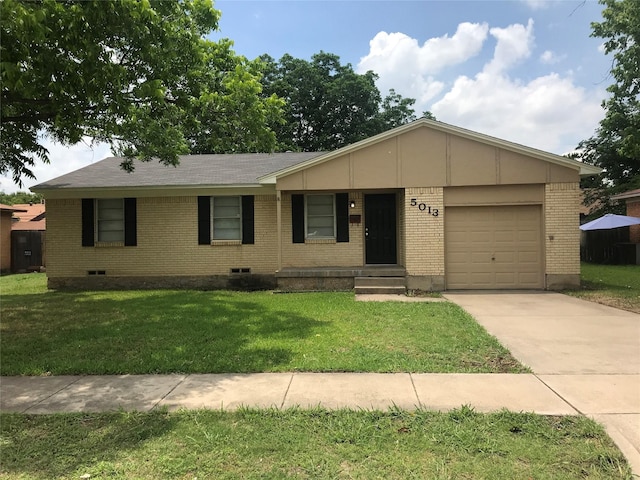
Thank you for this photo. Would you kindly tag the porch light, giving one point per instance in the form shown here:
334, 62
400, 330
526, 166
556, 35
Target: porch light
352, 204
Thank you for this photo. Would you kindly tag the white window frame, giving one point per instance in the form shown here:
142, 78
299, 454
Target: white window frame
98, 220
306, 215
213, 218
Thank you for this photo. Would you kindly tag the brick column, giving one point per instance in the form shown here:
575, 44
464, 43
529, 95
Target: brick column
424, 238
562, 235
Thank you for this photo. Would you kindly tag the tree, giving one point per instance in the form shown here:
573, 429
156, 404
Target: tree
230, 113
20, 198
135, 74
615, 146
328, 105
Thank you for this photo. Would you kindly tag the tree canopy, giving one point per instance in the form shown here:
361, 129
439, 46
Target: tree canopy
328, 105
615, 146
136, 74
20, 197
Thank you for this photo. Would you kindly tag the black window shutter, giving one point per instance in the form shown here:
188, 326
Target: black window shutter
247, 220
297, 218
130, 223
88, 231
342, 217
204, 220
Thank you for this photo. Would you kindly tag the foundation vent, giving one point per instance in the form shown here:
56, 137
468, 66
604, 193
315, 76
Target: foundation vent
240, 270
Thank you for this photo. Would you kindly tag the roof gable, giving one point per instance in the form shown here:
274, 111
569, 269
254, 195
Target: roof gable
446, 129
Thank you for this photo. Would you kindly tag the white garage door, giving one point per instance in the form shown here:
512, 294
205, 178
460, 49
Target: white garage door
493, 247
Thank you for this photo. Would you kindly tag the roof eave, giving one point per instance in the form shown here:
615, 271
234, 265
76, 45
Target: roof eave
146, 190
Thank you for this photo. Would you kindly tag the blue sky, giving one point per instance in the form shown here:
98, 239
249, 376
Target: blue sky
522, 70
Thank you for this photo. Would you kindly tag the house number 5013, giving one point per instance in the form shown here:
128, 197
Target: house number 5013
423, 207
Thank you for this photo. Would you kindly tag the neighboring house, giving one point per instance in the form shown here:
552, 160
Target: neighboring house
429, 205
32, 216
6, 214
632, 200
28, 232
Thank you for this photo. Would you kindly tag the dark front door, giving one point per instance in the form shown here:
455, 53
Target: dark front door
380, 228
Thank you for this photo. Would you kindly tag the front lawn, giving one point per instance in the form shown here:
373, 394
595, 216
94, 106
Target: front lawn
307, 444
614, 285
165, 331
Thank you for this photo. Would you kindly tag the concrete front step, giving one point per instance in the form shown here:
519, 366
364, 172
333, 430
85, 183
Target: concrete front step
379, 281
378, 285
372, 290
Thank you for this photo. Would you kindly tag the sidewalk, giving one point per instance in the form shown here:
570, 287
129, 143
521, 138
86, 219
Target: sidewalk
485, 392
544, 394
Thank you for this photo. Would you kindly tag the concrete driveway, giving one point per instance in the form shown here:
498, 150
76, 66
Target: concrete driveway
556, 334
588, 354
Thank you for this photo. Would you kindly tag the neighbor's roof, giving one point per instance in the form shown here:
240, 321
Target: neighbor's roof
193, 170
9, 208
30, 217
31, 225
631, 194
30, 211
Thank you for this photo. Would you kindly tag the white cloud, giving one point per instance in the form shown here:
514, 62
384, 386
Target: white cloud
63, 160
537, 4
549, 112
550, 58
389, 51
514, 45
409, 68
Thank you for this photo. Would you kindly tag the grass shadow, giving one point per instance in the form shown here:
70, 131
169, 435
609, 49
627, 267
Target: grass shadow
146, 332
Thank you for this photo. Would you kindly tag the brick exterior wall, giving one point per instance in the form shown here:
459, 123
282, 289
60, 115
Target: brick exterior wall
167, 242
424, 238
323, 252
633, 210
562, 235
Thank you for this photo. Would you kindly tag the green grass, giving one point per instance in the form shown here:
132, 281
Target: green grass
614, 285
307, 444
164, 331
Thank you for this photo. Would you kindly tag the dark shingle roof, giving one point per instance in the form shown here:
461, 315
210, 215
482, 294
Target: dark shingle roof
193, 170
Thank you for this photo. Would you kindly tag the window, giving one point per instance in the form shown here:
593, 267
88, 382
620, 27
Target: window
110, 219
226, 218
320, 216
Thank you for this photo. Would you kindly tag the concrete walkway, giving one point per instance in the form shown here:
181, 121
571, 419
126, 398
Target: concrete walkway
485, 392
586, 360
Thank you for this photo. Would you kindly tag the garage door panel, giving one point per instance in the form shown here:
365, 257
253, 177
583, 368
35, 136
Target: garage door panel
494, 247
479, 258
484, 279
527, 278
505, 236
503, 280
502, 258
528, 258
